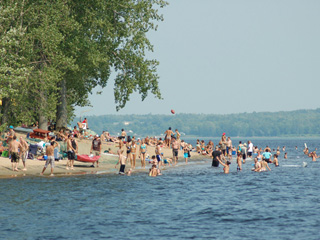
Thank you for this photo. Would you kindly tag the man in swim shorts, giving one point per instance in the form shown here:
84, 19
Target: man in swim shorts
50, 157
175, 150
14, 148
266, 156
72, 148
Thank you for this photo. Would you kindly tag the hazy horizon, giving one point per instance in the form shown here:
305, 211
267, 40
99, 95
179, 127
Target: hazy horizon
230, 57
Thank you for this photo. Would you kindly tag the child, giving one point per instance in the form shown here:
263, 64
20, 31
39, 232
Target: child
121, 161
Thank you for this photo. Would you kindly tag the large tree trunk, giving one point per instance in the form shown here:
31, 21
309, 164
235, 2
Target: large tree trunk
5, 110
43, 122
62, 112
43, 119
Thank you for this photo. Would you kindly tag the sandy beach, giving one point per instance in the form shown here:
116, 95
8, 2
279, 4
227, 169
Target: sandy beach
106, 163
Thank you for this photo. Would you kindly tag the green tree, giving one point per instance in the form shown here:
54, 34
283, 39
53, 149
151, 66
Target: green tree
111, 37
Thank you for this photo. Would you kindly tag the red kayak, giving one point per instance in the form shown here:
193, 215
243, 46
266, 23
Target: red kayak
86, 158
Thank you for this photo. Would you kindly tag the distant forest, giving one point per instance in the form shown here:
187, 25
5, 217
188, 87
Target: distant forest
264, 124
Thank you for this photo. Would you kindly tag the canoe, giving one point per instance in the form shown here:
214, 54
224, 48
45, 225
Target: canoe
86, 158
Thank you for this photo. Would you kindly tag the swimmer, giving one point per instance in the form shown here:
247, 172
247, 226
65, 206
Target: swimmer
239, 168
264, 166
257, 165
153, 171
275, 160
226, 166
166, 160
285, 156
314, 156
266, 156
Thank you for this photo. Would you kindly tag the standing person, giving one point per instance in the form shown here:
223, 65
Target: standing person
128, 146
134, 153
186, 152
14, 148
175, 150
72, 149
239, 167
123, 135
121, 161
250, 149
11, 134
177, 135
143, 152
50, 157
85, 124
215, 157
167, 138
244, 152
24, 152
223, 145
96, 148
229, 148
158, 154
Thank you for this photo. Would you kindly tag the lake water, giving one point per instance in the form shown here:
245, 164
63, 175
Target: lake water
187, 202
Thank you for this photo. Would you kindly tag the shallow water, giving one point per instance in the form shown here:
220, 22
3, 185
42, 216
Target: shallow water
187, 202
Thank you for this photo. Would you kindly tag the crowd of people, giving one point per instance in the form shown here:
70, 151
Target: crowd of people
130, 149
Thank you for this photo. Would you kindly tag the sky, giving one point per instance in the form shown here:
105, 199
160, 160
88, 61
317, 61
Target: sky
229, 56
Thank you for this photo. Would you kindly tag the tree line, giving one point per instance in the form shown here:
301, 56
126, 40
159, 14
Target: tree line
54, 53
263, 124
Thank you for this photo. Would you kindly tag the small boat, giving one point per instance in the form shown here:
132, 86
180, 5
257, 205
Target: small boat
86, 158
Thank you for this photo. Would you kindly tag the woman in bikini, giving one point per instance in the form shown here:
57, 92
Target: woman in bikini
143, 152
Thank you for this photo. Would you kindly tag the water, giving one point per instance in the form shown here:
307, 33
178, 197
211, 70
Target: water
187, 202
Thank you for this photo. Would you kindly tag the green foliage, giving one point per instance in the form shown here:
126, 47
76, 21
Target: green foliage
46, 46
265, 124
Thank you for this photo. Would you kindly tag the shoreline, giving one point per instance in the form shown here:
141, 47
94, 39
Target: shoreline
106, 163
